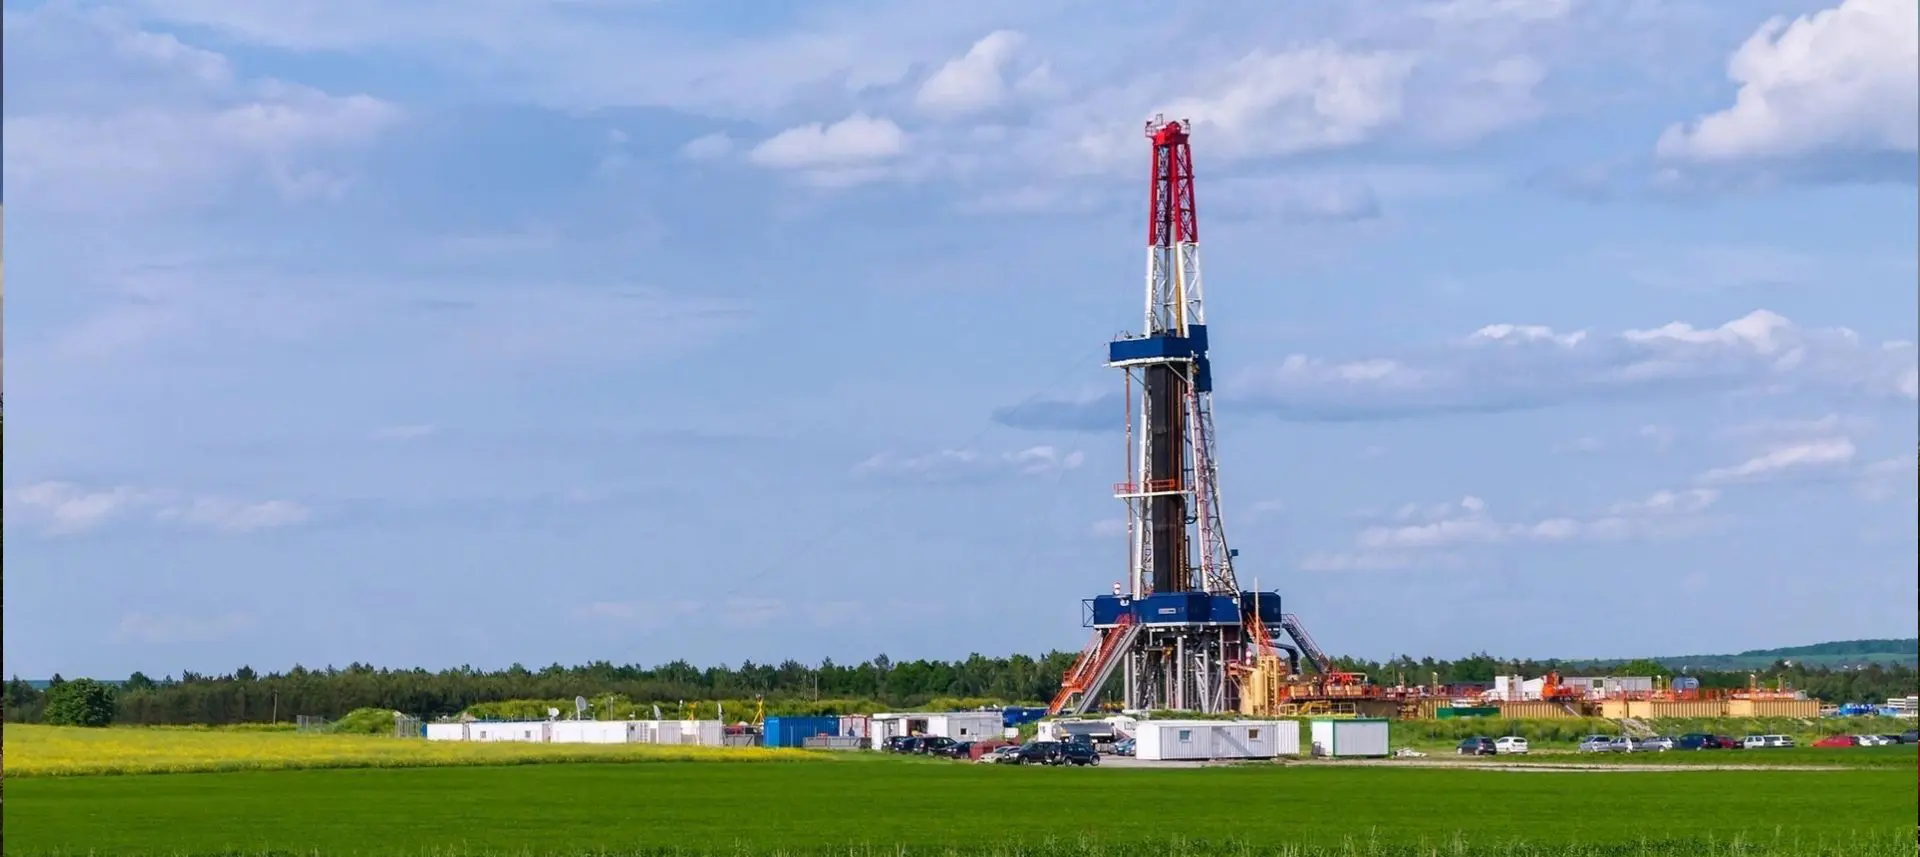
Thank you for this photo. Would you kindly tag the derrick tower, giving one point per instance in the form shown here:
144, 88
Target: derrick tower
1180, 627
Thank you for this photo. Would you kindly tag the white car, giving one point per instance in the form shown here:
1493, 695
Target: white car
1512, 745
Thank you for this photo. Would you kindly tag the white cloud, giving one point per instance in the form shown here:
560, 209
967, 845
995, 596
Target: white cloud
134, 119
1366, 560
1825, 426
63, 508
854, 141
974, 81
956, 464
1296, 101
709, 147
1809, 455
1510, 367
1468, 523
1842, 80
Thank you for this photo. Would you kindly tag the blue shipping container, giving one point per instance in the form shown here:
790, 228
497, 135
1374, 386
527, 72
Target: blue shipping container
794, 731
1012, 716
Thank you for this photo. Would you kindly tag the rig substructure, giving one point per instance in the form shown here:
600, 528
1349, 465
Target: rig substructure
1181, 631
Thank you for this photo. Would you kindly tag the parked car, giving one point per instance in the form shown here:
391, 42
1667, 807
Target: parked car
1005, 754
1477, 747
1596, 744
1511, 745
954, 750
1758, 742
1837, 741
1123, 747
1696, 741
1727, 742
1656, 744
933, 745
1622, 744
1058, 753
1911, 736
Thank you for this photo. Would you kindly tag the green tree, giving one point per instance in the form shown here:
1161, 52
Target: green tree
80, 702
1642, 666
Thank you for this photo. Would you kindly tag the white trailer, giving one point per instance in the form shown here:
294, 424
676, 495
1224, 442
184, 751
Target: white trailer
1359, 737
702, 733
536, 731
958, 725
1200, 740
593, 731
446, 732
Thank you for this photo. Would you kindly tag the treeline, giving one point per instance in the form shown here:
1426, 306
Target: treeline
789, 688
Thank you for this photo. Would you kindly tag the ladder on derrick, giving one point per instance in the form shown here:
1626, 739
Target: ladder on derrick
1321, 663
1096, 663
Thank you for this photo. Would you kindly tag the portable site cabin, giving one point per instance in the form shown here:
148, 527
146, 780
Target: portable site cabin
536, 731
1169, 740
855, 726
958, 725
1358, 737
596, 731
446, 732
702, 733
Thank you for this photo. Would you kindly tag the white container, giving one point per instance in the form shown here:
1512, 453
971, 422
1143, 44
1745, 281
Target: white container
958, 725
1350, 738
855, 726
1199, 740
590, 732
446, 732
535, 731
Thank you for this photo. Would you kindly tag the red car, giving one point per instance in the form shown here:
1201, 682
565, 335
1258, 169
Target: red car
1837, 741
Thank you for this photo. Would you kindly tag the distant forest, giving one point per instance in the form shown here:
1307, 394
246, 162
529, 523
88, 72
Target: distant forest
1844, 653
246, 696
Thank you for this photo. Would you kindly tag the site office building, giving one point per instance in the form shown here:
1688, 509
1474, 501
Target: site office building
958, 725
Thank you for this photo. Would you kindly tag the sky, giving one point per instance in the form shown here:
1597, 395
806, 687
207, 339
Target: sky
438, 333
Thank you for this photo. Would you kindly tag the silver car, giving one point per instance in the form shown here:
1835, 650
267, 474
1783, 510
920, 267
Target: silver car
1655, 744
1597, 744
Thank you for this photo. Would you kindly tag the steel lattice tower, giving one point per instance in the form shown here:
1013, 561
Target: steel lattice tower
1180, 623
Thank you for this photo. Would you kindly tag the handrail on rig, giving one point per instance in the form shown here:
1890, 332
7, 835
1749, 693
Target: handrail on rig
1151, 486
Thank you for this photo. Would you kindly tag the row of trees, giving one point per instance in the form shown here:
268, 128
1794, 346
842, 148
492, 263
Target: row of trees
247, 696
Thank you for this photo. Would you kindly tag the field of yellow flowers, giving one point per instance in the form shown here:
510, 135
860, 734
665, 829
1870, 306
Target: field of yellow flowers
54, 751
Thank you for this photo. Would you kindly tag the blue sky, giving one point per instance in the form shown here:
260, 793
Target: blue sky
480, 332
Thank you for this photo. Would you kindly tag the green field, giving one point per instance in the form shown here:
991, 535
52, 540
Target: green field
732, 807
203, 792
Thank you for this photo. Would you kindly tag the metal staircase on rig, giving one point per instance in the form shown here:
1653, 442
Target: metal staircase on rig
1291, 624
1081, 685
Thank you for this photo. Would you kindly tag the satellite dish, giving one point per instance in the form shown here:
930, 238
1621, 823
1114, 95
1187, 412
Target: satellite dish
552, 713
579, 707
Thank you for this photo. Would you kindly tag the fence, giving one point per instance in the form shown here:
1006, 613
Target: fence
832, 742
408, 726
312, 723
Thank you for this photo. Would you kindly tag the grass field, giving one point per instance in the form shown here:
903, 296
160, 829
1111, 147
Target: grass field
414, 798
39, 751
735, 807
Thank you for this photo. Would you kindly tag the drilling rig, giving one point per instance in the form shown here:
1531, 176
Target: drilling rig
1180, 629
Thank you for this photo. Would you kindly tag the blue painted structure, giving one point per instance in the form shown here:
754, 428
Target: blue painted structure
1014, 715
1180, 608
1166, 346
794, 731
